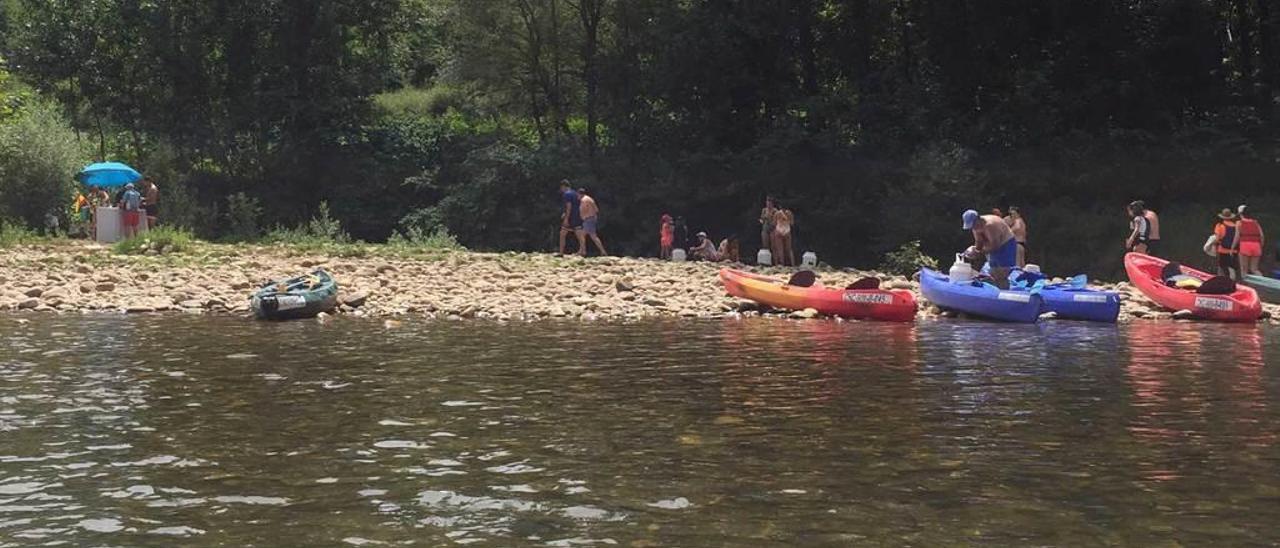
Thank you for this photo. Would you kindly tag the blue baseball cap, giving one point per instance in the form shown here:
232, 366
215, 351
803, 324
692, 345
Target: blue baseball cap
969, 217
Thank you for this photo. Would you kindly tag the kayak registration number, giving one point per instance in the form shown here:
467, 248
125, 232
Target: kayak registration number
1210, 303
290, 302
1089, 298
1015, 297
868, 298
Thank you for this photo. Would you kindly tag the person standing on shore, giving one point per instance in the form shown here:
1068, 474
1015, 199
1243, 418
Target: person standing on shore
1018, 225
1139, 232
151, 200
767, 215
666, 236
1153, 227
1228, 245
783, 219
590, 219
992, 236
130, 206
571, 218
1252, 242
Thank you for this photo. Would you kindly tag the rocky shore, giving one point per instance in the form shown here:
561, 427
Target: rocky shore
76, 277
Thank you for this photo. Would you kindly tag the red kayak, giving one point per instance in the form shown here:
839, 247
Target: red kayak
1146, 273
865, 304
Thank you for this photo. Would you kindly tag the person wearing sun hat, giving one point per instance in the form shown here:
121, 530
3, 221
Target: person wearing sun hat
1252, 242
1226, 231
993, 237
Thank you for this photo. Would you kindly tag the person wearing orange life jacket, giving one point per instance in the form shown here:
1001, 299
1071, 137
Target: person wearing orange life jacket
1227, 232
1252, 242
1153, 226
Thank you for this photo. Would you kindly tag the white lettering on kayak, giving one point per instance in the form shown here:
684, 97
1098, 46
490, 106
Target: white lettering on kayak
1015, 297
1089, 298
868, 298
291, 302
1211, 303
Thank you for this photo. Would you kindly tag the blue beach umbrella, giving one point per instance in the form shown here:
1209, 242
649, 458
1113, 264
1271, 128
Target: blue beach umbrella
108, 174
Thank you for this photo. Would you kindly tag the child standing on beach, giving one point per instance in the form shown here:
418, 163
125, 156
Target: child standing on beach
666, 236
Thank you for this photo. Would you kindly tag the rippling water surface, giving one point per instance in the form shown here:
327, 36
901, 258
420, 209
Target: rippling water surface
197, 431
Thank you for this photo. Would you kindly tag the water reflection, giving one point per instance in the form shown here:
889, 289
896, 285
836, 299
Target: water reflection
1191, 388
204, 431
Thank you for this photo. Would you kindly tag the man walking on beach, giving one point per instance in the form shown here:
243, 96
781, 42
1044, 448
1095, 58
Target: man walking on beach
590, 219
571, 218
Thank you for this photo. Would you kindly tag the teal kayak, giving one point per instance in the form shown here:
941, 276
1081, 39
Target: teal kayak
1268, 288
302, 297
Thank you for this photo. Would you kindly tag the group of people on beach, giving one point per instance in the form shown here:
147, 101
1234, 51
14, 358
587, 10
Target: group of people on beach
1237, 239
999, 238
132, 202
775, 232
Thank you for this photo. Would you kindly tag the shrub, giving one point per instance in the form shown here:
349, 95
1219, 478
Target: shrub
39, 154
906, 260
157, 241
321, 230
412, 101
243, 213
415, 238
324, 227
12, 234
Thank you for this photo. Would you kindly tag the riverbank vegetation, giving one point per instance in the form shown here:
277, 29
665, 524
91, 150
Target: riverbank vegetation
877, 122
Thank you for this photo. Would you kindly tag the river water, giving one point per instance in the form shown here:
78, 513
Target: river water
169, 431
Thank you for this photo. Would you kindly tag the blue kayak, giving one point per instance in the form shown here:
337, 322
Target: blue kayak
1078, 303
979, 299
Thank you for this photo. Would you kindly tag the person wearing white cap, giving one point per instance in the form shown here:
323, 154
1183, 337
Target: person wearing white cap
705, 250
993, 237
1252, 242
130, 207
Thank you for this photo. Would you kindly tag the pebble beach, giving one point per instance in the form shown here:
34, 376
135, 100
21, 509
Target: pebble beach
77, 277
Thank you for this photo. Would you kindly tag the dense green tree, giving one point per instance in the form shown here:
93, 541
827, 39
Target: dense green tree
876, 120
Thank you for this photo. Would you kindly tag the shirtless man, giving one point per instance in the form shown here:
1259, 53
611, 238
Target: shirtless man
590, 218
992, 236
150, 200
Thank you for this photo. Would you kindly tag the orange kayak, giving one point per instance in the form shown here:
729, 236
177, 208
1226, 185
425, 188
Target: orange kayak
864, 304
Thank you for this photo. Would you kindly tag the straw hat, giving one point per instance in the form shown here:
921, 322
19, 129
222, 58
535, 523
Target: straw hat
1226, 214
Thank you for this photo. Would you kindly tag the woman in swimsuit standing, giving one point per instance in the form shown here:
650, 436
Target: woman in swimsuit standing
1019, 227
782, 221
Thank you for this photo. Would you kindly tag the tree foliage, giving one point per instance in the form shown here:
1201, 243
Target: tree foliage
875, 120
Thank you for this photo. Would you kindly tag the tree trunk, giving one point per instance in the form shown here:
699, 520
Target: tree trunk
589, 14
808, 53
1267, 57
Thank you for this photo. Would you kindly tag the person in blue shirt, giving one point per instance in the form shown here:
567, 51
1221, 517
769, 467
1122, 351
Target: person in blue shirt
571, 218
131, 209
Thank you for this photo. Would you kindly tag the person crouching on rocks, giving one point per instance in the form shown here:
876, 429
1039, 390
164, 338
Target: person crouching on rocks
705, 250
